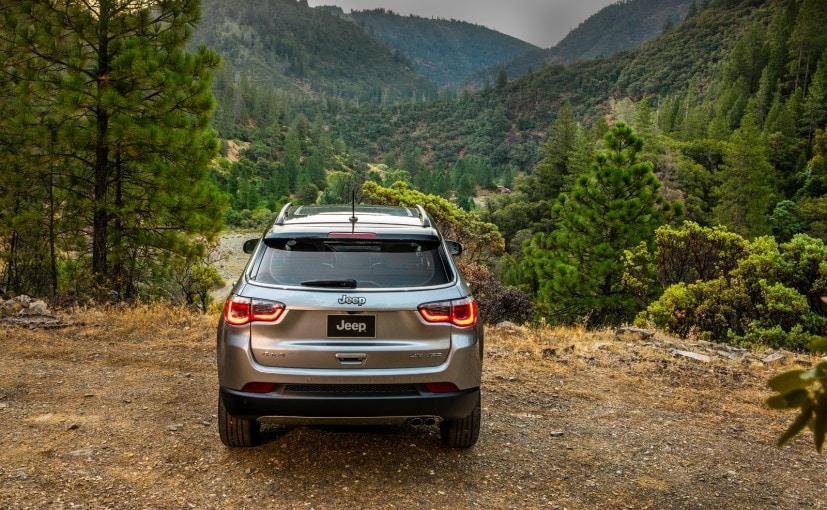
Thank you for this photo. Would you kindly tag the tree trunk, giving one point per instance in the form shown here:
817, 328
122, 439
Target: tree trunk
100, 219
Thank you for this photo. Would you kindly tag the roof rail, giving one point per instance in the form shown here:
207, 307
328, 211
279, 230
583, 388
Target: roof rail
423, 216
283, 214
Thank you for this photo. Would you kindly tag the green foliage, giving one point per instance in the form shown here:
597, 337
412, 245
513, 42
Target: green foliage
614, 207
560, 164
771, 296
805, 390
195, 276
342, 188
481, 240
786, 221
116, 116
746, 193
691, 253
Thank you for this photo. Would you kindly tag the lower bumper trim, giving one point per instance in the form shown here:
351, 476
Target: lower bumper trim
347, 409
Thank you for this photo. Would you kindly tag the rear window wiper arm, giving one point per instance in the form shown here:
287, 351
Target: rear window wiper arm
339, 284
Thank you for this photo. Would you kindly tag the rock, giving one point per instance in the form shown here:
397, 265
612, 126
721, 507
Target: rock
773, 358
22, 299
644, 334
509, 327
82, 452
36, 308
691, 355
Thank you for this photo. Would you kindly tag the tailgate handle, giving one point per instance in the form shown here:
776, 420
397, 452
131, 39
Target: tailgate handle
351, 358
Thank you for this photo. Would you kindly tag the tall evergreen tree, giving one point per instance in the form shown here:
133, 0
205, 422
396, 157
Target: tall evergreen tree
746, 194
613, 207
556, 171
807, 41
130, 111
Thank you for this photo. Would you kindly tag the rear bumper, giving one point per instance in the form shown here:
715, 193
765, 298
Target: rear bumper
272, 407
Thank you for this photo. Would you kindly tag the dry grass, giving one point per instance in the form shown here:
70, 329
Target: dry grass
117, 409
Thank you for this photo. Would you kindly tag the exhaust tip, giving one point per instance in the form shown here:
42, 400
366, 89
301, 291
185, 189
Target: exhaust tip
422, 421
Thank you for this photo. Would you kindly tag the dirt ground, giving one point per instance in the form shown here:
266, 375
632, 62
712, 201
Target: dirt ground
116, 409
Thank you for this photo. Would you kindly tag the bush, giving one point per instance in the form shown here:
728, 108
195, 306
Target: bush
496, 302
765, 294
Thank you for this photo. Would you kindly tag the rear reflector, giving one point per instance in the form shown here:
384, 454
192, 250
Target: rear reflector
441, 387
258, 387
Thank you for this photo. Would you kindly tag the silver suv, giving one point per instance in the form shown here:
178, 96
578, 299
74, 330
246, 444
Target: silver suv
350, 315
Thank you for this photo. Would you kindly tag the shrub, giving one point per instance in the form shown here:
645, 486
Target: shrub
496, 302
765, 293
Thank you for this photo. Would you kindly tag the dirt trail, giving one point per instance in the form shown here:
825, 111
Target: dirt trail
118, 410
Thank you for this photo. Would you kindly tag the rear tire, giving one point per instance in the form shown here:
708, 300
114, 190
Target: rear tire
462, 433
237, 432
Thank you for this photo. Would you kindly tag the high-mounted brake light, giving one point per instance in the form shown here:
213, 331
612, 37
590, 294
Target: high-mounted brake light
239, 311
353, 235
461, 312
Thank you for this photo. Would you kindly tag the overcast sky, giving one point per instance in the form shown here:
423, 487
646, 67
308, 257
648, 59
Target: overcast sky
540, 22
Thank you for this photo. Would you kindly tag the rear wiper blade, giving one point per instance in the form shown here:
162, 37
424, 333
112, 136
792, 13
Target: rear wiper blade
339, 284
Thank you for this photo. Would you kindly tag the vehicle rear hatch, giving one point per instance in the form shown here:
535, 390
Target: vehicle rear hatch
352, 302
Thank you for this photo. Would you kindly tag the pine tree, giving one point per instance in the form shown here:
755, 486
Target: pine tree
807, 41
555, 172
815, 104
615, 206
131, 116
746, 194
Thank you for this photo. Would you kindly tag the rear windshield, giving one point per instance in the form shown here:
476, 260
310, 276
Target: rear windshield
352, 263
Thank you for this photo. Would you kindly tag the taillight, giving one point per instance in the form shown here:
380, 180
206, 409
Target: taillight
461, 313
239, 311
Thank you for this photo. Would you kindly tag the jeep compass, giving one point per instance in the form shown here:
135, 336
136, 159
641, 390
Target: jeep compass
350, 315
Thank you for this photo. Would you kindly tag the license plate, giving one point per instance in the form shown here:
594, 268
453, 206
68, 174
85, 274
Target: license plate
351, 326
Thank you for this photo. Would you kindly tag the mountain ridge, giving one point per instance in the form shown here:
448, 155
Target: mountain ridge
617, 27
444, 51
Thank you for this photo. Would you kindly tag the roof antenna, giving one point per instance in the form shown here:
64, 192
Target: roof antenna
353, 218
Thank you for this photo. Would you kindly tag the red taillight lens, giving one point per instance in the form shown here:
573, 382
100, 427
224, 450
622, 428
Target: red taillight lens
464, 314
461, 313
239, 311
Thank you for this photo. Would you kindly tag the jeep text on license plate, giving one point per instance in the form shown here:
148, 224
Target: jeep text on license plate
351, 326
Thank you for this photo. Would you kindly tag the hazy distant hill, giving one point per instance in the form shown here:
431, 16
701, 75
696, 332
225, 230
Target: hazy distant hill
305, 51
444, 51
617, 27
505, 124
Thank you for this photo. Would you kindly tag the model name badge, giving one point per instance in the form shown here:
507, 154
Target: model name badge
349, 300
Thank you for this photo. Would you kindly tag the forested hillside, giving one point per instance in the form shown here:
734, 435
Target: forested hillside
505, 122
620, 26
590, 170
304, 51
444, 51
